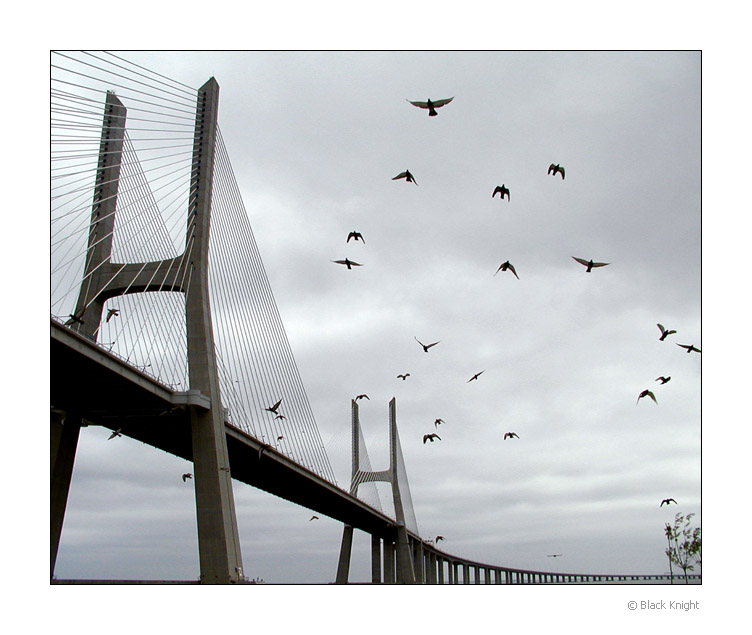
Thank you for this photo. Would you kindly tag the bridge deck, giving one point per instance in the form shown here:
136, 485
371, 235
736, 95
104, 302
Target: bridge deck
105, 391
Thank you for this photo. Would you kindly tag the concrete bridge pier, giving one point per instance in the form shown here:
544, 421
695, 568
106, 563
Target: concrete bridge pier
343, 566
64, 432
389, 562
375, 560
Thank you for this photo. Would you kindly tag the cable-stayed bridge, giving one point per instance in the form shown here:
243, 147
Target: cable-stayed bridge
164, 328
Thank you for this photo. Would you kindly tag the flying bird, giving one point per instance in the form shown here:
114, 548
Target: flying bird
362, 397
348, 263
668, 501
403, 377
507, 266
664, 332
431, 105
425, 346
112, 313
646, 393
357, 236
431, 437
510, 435
590, 264
502, 189
409, 178
437, 422
73, 318
439, 538
475, 376
554, 555
554, 169
313, 518
280, 437
187, 475
116, 433
690, 347
274, 407
662, 379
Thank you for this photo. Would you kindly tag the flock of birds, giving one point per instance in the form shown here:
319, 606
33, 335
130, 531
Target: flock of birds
503, 191
589, 264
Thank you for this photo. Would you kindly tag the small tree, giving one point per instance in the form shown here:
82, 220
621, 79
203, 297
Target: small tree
684, 545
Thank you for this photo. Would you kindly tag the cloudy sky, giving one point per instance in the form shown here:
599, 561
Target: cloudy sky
315, 139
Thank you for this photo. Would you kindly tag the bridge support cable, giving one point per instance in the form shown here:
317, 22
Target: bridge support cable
249, 333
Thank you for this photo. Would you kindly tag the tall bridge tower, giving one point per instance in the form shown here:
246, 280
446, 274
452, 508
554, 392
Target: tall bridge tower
218, 541
398, 557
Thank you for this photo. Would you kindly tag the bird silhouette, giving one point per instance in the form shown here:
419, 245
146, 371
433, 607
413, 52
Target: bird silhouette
274, 407
313, 518
590, 264
668, 501
554, 169
112, 313
281, 417
437, 422
116, 433
348, 263
364, 396
409, 178
187, 475
73, 319
554, 555
280, 437
646, 393
502, 189
475, 376
431, 105
439, 538
431, 437
425, 346
690, 347
357, 236
403, 377
664, 332
504, 266
663, 379
510, 435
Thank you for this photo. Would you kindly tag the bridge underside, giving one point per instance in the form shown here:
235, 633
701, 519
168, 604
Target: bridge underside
97, 386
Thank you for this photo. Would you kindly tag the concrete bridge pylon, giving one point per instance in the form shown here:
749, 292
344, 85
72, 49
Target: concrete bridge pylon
218, 541
397, 556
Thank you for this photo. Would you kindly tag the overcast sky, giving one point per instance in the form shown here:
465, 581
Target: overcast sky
315, 139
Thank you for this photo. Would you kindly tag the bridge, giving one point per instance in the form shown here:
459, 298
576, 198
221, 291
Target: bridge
164, 329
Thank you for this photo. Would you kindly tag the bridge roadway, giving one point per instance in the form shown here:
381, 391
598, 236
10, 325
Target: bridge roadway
104, 390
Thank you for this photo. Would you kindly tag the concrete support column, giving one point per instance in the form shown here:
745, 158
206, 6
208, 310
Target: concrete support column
431, 569
418, 562
218, 541
375, 560
64, 433
440, 565
343, 567
465, 574
389, 577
